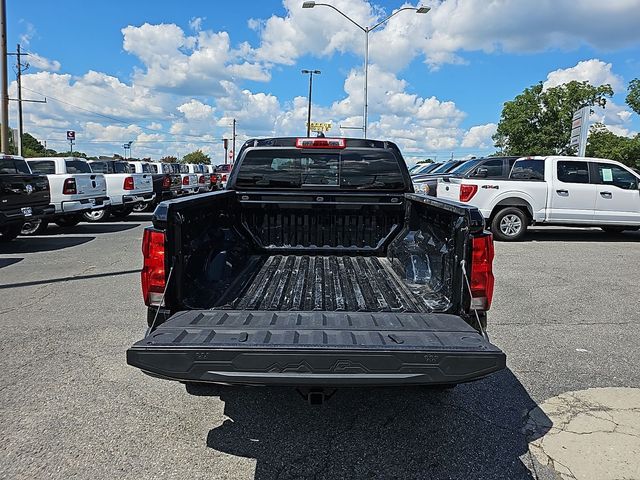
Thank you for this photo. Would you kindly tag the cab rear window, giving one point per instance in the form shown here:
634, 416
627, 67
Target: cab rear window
43, 167
77, 166
14, 166
346, 170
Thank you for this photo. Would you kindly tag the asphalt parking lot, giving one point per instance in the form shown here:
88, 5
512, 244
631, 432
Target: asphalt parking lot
566, 311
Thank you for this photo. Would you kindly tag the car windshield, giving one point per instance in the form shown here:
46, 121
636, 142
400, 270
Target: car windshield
349, 170
466, 167
421, 169
442, 168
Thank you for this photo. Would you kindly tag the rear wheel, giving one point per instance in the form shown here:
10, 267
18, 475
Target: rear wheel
34, 227
69, 220
95, 215
9, 232
122, 212
509, 224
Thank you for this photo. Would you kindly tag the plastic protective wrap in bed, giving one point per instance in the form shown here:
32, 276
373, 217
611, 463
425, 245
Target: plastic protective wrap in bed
423, 260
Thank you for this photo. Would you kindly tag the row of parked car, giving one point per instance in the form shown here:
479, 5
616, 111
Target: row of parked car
513, 193
67, 190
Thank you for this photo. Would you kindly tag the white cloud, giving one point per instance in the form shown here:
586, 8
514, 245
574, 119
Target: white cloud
451, 28
195, 23
41, 63
595, 71
196, 110
479, 136
189, 65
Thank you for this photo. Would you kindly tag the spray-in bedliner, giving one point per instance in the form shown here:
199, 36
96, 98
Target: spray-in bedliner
334, 283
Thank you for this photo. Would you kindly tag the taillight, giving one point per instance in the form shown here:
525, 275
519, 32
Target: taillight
482, 272
69, 187
224, 178
213, 178
201, 179
166, 182
153, 275
185, 180
128, 183
467, 192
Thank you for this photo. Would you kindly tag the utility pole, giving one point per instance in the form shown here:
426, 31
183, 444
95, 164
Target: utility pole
4, 83
234, 141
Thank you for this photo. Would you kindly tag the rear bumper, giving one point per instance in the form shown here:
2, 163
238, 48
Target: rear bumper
315, 349
316, 367
142, 197
85, 205
18, 216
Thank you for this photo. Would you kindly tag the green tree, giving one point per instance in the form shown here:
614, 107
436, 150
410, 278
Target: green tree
633, 95
605, 144
197, 157
538, 121
169, 159
31, 147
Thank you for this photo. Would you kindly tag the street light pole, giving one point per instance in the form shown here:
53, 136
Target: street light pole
366, 30
311, 73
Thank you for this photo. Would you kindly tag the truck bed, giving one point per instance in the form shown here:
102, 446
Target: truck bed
331, 284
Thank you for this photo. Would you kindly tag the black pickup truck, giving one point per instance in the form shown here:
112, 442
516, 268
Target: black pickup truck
318, 267
23, 196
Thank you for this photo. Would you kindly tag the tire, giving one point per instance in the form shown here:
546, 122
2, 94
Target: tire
121, 213
509, 224
34, 227
140, 207
69, 220
95, 215
618, 230
9, 232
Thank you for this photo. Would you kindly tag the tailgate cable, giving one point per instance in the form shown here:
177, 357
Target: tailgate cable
466, 282
155, 318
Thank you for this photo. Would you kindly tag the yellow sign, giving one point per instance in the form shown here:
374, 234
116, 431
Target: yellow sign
320, 126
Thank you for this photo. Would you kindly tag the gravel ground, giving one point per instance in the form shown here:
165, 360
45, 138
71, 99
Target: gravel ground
565, 311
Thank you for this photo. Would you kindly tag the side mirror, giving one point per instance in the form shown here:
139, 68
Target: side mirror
481, 172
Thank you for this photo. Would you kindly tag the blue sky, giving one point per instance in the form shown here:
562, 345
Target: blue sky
171, 75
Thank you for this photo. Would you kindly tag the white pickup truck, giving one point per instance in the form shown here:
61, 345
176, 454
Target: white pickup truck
189, 180
125, 189
555, 190
75, 189
202, 173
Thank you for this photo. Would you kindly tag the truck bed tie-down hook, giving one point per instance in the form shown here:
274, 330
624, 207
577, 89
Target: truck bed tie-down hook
475, 312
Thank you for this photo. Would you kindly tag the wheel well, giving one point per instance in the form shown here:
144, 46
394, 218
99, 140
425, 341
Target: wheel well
513, 202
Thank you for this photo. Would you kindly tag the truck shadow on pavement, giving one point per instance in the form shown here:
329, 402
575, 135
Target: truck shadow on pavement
90, 228
578, 235
6, 262
42, 244
474, 431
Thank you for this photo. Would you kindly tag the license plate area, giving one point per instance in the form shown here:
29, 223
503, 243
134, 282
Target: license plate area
26, 211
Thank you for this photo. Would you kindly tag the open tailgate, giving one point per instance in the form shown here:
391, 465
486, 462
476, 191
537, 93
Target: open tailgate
315, 349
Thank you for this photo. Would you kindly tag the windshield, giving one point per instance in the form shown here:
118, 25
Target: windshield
424, 169
349, 170
465, 167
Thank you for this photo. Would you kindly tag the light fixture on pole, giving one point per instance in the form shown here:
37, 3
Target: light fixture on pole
366, 31
311, 73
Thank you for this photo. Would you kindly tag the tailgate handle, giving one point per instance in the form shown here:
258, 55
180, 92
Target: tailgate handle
564, 193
